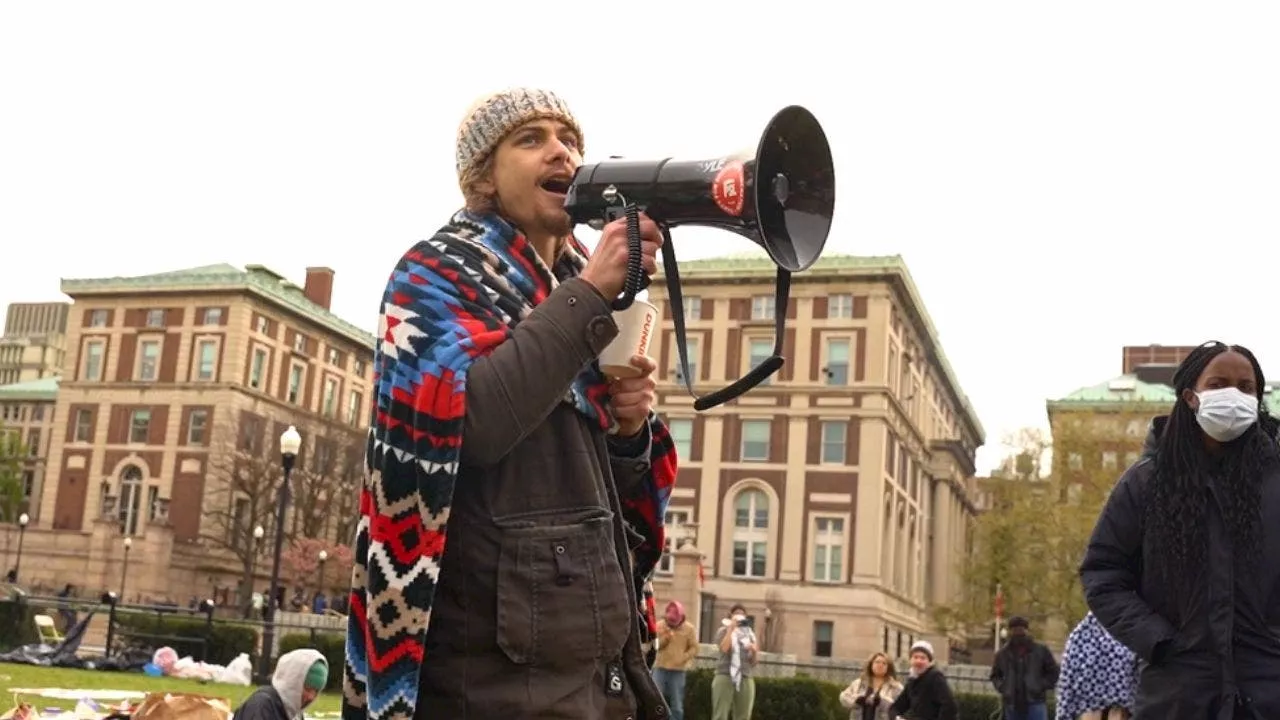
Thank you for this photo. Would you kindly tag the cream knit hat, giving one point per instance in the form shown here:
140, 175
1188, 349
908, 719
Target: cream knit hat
490, 118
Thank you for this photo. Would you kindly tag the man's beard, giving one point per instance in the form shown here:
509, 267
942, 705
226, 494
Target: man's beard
556, 223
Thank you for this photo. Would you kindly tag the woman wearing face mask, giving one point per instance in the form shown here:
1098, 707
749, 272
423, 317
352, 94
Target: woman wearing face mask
1184, 563
733, 690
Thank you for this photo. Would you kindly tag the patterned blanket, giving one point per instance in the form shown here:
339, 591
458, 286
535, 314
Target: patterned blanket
1097, 672
450, 300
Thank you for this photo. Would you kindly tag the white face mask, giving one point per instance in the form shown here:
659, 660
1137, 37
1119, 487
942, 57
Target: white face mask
1225, 413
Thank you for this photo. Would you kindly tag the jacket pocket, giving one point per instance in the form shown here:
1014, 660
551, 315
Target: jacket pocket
562, 601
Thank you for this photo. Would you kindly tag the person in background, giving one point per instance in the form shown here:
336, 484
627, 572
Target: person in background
1024, 671
65, 610
733, 689
677, 649
1184, 560
1099, 678
870, 696
299, 678
927, 696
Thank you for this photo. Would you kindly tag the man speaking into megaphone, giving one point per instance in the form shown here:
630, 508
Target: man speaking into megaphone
515, 496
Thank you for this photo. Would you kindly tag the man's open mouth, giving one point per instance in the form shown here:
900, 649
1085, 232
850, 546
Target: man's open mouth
557, 185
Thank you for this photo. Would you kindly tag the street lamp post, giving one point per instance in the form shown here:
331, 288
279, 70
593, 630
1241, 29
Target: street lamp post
321, 556
254, 549
290, 444
23, 519
124, 568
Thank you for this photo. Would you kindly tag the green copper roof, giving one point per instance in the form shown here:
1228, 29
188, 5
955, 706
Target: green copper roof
222, 277
756, 263
42, 389
1123, 389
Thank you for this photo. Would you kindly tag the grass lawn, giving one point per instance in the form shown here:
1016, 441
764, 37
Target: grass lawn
31, 677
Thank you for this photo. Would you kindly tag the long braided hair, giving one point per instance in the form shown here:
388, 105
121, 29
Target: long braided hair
1176, 505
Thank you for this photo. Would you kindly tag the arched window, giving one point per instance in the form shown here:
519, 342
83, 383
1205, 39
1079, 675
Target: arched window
750, 534
130, 507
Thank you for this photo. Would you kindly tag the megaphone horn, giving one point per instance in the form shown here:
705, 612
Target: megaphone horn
782, 199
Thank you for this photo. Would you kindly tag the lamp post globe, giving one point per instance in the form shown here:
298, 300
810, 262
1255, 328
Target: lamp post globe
258, 532
290, 445
23, 519
323, 556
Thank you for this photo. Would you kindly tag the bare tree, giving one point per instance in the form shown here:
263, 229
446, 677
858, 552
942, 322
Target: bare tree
245, 479
327, 482
13, 462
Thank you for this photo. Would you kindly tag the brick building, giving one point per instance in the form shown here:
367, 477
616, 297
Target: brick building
835, 500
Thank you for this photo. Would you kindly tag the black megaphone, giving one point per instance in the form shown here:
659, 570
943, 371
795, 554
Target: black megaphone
782, 199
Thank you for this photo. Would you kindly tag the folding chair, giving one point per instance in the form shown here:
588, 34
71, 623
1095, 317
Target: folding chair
49, 634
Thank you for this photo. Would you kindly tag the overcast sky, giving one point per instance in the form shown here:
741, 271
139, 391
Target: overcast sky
1062, 179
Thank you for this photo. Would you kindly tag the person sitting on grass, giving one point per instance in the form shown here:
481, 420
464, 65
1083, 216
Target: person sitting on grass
300, 676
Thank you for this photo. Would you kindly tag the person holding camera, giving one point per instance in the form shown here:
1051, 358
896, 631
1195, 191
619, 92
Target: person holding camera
733, 689
512, 510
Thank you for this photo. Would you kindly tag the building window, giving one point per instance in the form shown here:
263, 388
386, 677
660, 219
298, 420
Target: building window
84, 426
258, 368
98, 318
762, 307
262, 325
94, 352
837, 369
1134, 429
238, 528
834, 433
1110, 460
37, 412
361, 368
692, 307
1074, 461
155, 318
28, 484
139, 426
750, 534
823, 637
212, 316
300, 343
295, 383
828, 549
353, 407
1130, 458
681, 430
130, 499
197, 426
330, 399
333, 357
840, 306
758, 350
675, 518
755, 440
206, 359
692, 347
148, 360
33, 442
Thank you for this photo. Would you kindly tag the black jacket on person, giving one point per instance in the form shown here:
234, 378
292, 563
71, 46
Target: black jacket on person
1222, 660
927, 696
1031, 666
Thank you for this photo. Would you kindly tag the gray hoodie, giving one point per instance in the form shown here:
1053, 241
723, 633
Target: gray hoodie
291, 674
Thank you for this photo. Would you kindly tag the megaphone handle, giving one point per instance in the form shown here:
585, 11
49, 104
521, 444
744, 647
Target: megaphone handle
636, 280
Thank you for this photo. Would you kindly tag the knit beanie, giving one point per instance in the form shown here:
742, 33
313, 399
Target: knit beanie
492, 117
317, 676
923, 646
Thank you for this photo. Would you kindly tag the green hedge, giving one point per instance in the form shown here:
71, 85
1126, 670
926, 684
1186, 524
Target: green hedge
804, 698
225, 640
17, 625
330, 644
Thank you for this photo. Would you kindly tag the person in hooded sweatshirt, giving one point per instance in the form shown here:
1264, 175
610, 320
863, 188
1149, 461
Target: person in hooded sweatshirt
927, 695
677, 649
300, 676
1183, 566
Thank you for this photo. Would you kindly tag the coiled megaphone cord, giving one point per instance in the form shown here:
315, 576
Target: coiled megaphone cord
635, 280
